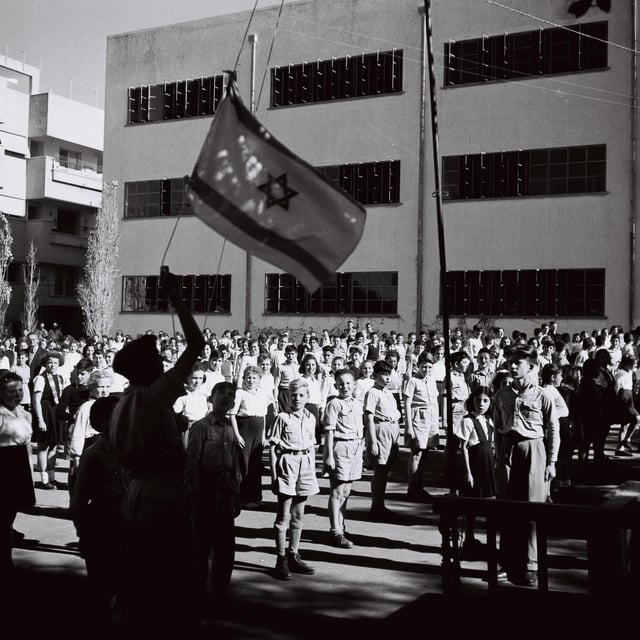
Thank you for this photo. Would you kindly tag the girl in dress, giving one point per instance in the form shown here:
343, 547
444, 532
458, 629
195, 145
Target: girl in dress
475, 433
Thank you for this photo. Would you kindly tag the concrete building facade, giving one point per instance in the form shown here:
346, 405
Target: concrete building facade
537, 121
51, 179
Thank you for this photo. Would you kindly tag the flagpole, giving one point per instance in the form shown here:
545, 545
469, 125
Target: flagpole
450, 448
253, 41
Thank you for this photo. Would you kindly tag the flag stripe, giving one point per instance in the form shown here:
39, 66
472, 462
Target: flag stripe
246, 224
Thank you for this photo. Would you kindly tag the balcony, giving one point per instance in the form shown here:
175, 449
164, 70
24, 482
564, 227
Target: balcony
48, 179
55, 246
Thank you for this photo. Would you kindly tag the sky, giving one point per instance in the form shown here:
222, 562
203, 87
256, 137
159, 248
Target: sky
67, 39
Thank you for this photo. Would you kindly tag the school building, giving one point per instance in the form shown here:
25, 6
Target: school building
50, 189
537, 114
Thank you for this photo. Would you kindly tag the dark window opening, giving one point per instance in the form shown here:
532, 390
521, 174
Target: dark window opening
373, 293
532, 292
202, 293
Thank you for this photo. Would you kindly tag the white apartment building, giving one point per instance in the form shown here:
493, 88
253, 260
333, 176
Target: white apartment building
51, 187
537, 129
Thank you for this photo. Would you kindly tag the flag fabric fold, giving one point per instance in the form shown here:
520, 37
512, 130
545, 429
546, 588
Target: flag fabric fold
250, 188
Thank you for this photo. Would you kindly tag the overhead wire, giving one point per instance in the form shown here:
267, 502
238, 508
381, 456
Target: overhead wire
560, 26
520, 81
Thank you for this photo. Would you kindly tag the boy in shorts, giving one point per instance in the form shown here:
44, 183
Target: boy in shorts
381, 418
343, 452
293, 477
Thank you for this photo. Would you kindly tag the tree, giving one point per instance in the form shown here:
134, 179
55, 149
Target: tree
6, 255
96, 291
31, 278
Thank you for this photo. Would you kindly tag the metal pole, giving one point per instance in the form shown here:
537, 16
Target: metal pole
634, 167
421, 180
450, 449
253, 41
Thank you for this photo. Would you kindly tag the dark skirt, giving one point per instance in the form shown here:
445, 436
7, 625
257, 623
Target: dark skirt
56, 432
251, 429
16, 479
626, 409
481, 461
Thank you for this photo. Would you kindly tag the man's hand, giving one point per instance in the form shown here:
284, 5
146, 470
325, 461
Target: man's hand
550, 472
170, 284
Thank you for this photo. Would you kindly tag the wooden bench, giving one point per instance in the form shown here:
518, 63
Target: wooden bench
612, 531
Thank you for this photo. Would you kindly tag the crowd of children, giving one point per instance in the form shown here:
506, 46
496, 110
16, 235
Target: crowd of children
345, 398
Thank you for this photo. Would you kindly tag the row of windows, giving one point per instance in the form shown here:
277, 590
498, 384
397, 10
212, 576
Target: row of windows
525, 173
368, 74
202, 294
174, 100
533, 292
364, 293
579, 47
514, 55
368, 182
150, 198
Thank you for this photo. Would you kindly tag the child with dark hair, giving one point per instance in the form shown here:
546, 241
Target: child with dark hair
421, 424
284, 374
381, 417
475, 435
96, 501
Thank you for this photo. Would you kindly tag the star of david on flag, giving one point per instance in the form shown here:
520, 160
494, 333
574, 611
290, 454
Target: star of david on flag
250, 188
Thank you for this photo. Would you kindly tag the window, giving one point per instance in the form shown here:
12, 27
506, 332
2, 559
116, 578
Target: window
365, 293
533, 292
580, 47
174, 100
65, 281
203, 294
367, 182
151, 198
67, 221
70, 159
369, 74
525, 173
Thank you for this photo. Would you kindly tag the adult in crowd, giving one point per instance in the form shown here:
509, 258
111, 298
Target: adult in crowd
15, 465
158, 589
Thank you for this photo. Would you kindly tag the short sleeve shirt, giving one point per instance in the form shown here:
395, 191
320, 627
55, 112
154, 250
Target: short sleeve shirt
382, 404
295, 431
344, 417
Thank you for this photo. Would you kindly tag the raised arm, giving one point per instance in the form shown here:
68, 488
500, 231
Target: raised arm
193, 336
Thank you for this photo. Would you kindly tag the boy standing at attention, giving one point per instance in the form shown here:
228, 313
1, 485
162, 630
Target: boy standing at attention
381, 416
343, 452
293, 477
212, 476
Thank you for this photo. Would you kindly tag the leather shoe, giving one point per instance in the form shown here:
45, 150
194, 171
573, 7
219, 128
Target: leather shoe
341, 541
281, 570
298, 565
524, 579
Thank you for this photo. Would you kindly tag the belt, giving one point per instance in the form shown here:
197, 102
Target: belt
379, 420
297, 452
345, 439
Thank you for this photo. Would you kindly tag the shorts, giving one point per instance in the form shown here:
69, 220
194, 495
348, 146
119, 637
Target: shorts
387, 434
348, 458
296, 474
425, 426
